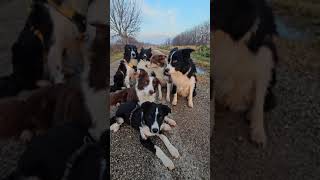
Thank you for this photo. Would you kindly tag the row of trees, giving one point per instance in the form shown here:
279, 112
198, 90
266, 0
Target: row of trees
199, 35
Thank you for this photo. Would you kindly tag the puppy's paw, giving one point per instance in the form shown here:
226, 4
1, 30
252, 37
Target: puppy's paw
190, 104
174, 152
259, 137
115, 127
165, 127
26, 136
174, 102
168, 98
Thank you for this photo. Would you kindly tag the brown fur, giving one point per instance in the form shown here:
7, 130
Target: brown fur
44, 108
122, 96
158, 60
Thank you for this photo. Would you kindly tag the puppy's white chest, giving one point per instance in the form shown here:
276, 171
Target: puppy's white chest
183, 84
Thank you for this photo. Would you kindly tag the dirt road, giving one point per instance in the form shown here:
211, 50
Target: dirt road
129, 160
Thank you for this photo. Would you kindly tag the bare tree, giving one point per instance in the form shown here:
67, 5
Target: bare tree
125, 19
198, 35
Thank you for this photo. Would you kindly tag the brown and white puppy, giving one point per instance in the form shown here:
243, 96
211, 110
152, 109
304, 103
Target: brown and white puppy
182, 71
144, 90
156, 65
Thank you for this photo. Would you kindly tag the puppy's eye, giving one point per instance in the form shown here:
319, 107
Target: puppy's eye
146, 83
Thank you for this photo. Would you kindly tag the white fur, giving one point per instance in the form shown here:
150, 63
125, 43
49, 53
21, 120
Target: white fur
144, 94
95, 101
170, 121
64, 33
173, 151
164, 158
241, 80
185, 86
155, 124
116, 126
165, 127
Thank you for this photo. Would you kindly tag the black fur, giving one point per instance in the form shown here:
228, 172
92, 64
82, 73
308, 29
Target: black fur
28, 53
46, 156
130, 52
182, 62
143, 115
145, 54
118, 78
236, 18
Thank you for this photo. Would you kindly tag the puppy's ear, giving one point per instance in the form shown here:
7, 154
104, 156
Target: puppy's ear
174, 49
186, 53
166, 110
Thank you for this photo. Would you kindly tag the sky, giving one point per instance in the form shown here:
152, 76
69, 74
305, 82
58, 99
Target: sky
162, 19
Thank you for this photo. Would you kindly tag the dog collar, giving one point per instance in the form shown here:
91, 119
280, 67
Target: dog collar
131, 114
131, 65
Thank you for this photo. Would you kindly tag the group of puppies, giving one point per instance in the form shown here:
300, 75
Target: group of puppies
63, 123
139, 77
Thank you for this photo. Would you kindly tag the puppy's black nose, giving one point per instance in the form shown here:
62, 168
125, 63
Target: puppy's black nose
166, 71
151, 92
155, 130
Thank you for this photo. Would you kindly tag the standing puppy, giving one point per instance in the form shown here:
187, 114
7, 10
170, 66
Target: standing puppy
182, 71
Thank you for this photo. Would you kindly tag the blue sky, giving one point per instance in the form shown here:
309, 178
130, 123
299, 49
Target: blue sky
162, 19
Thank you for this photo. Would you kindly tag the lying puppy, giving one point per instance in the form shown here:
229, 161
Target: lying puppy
150, 119
144, 90
131, 60
64, 153
119, 77
245, 59
182, 71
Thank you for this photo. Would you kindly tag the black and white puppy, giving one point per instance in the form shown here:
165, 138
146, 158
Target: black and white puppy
63, 153
150, 119
145, 54
182, 72
130, 56
245, 59
119, 77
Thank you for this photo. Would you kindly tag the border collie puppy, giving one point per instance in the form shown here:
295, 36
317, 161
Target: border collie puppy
156, 64
119, 77
63, 153
130, 56
182, 71
144, 90
245, 59
150, 119
145, 54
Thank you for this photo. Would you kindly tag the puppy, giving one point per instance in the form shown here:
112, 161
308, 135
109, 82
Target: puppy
119, 77
145, 54
182, 71
156, 65
245, 59
150, 119
144, 90
63, 153
130, 56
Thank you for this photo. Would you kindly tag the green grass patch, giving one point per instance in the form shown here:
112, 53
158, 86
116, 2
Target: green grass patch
115, 56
